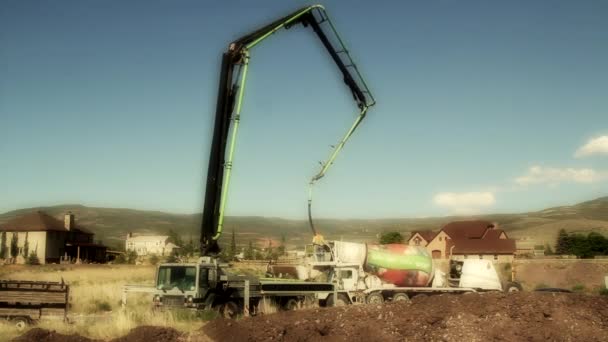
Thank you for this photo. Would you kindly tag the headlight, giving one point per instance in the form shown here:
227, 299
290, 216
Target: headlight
156, 299
190, 299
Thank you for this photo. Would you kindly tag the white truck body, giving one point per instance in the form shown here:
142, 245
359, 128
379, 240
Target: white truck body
345, 266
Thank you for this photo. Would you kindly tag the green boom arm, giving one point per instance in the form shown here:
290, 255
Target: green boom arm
233, 75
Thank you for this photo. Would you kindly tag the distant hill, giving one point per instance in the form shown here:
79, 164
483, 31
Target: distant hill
112, 224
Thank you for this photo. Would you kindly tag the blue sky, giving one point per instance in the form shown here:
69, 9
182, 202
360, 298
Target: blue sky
482, 106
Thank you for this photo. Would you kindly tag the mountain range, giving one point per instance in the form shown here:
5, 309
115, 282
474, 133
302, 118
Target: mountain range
111, 225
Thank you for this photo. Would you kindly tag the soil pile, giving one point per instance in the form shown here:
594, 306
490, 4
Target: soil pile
42, 335
470, 317
150, 333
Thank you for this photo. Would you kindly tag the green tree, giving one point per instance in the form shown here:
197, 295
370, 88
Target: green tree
188, 249
3, 246
548, 250
598, 244
249, 252
174, 238
153, 259
173, 256
131, 257
564, 243
281, 248
391, 237
269, 251
232, 250
14, 246
26, 246
32, 259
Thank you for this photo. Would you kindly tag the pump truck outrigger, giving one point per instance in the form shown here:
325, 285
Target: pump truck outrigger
208, 283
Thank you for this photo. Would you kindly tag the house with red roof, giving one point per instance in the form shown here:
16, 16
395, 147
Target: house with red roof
467, 239
50, 239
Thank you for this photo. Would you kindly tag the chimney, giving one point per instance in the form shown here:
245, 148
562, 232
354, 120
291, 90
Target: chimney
68, 221
129, 235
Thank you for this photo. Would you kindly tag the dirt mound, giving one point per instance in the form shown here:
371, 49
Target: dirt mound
43, 335
150, 333
471, 317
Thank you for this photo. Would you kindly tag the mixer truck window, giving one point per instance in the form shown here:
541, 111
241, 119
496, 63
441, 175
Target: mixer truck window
346, 274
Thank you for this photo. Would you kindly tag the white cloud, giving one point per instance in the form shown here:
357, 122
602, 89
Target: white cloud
554, 176
464, 203
597, 145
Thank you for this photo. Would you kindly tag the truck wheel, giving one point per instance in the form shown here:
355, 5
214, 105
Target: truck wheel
375, 298
20, 323
401, 297
291, 305
342, 300
229, 310
513, 287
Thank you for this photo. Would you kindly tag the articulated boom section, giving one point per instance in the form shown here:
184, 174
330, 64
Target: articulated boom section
233, 76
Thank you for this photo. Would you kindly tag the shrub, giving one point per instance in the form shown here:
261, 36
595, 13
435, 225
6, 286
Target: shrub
153, 259
604, 291
32, 259
102, 306
578, 288
391, 237
120, 259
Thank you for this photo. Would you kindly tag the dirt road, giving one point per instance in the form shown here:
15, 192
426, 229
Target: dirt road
471, 317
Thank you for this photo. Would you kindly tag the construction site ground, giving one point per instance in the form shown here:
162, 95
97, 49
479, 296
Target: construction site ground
524, 316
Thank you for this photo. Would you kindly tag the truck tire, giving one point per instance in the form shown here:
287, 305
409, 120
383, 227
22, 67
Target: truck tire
291, 304
401, 297
513, 287
342, 300
20, 323
229, 310
375, 298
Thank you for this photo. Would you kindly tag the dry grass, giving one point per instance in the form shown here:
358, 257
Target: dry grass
95, 294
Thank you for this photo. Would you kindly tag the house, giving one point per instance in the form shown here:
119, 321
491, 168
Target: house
150, 244
421, 238
466, 239
51, 239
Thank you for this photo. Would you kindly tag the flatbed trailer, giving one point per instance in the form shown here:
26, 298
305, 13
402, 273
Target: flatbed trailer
26, 302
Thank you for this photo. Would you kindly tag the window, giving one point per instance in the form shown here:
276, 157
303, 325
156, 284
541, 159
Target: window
346, 274
180, 277
203, 277
417, 241
495, 257
466, 256
480, 256
440, 238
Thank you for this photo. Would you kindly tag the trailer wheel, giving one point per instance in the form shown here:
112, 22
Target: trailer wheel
20, 323
342, 300
401, 297
229, 310
513, 287
375, 298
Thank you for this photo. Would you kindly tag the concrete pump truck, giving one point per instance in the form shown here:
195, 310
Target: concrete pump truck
209, 284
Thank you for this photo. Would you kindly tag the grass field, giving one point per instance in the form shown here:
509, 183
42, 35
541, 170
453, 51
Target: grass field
95, 295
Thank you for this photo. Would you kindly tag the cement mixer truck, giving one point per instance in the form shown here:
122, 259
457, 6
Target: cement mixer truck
367, 273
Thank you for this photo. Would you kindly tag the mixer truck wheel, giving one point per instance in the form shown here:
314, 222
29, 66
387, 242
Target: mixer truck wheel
342, 300
375, 298
401, 297
513, 287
